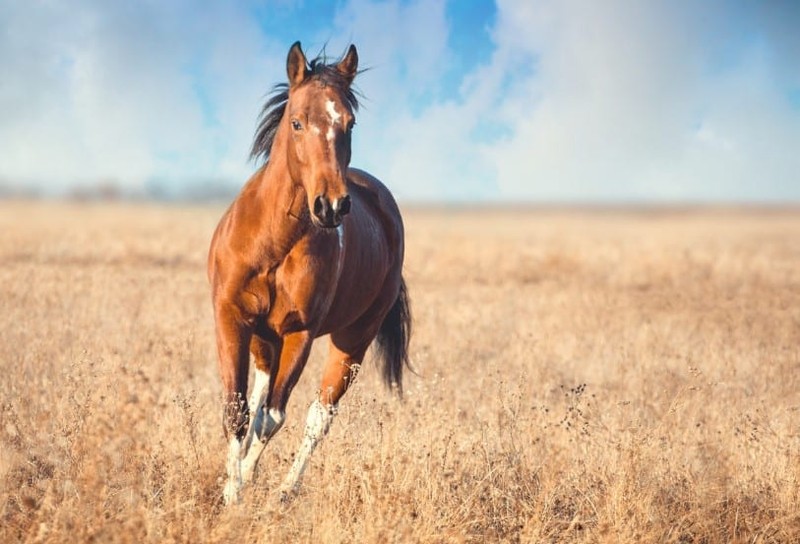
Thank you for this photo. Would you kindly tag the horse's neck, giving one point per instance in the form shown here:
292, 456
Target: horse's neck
284, 203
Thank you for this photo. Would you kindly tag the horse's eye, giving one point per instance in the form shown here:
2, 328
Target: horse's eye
296, 124
351, 125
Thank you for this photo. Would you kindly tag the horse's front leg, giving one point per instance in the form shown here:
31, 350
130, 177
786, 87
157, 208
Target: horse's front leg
263, 424
233, 338
269, 416
294, 354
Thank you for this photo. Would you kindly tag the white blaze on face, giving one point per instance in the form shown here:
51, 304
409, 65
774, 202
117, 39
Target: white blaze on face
330, 107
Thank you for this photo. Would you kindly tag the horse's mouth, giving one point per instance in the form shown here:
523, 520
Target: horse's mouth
329, 224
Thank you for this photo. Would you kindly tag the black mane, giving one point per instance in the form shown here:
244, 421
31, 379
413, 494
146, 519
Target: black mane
272, 112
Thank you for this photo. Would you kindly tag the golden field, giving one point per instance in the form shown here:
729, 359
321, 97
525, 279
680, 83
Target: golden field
583, 376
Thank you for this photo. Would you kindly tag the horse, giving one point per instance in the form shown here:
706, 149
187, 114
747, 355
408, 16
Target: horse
309, 247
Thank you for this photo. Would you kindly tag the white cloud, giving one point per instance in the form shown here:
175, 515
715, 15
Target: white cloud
616, 100
109, 91
403, 46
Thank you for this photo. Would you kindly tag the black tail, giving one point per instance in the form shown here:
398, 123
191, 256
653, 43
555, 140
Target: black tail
393, 338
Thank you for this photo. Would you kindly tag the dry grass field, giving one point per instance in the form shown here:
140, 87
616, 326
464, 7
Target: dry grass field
583, 376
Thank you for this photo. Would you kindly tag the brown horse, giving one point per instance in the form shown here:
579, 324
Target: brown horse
309, 247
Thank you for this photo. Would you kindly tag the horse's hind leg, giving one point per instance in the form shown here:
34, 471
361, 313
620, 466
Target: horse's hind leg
340, 372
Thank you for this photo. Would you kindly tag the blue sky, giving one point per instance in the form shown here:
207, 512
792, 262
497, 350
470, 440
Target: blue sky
518, 100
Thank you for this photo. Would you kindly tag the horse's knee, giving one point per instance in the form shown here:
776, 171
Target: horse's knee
235, 418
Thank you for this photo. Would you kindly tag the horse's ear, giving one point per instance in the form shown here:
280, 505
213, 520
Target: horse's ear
348, 66
296, 65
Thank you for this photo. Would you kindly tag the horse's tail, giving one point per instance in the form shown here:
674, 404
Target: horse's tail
393, 338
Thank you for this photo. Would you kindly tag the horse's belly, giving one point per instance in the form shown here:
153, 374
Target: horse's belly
362, 284
307, 309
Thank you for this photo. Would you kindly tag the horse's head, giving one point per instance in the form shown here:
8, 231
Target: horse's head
319, 119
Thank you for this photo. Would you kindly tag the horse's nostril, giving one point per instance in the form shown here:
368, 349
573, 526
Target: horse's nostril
344, 205
319, 206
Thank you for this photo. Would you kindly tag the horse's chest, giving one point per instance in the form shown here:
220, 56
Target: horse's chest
287, 313
301, 290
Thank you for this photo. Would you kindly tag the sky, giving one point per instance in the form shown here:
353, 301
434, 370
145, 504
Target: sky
463, 101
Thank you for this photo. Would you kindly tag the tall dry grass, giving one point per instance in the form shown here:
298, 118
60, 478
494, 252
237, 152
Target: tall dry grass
583, 377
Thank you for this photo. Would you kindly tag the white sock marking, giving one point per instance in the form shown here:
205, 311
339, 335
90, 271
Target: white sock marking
276, 418
265, 429
257, 398
318, 422
234, 484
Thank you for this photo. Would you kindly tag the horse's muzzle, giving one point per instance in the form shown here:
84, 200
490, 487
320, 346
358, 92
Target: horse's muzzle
329, 214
